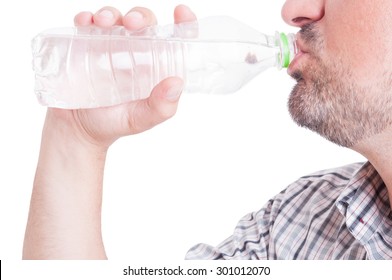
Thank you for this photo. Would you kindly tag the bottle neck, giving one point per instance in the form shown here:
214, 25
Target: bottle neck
287, 49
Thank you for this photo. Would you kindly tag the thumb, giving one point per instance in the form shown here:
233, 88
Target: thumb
160, 106
169, 89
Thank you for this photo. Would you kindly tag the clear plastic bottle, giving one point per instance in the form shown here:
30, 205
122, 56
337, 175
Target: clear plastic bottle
89, 67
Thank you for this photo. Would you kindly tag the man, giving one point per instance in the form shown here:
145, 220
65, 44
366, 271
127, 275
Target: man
343, 92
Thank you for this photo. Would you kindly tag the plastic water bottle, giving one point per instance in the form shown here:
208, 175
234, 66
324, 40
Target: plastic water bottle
89, 67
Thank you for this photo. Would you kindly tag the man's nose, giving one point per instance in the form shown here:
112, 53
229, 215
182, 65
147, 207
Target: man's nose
301, 12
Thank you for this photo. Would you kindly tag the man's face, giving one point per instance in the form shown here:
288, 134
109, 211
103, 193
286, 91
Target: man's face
344, 69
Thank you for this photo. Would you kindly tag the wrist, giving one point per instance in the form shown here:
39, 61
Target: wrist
67, 151
65, 129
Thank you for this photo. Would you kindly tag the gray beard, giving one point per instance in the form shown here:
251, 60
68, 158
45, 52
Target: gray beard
337, 110
329, 103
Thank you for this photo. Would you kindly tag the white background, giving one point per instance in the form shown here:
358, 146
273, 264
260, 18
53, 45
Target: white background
187, 181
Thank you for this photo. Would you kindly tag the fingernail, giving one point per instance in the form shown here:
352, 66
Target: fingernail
174, 92
135, 18
106, 14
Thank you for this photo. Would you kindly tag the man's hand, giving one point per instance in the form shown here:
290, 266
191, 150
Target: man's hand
103, 126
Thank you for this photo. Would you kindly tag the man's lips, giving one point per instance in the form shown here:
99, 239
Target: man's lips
300, 55
294, 63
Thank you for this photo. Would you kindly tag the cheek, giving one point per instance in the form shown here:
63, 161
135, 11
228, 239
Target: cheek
357, 40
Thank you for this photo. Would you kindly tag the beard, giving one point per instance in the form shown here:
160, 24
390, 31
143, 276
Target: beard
327, 100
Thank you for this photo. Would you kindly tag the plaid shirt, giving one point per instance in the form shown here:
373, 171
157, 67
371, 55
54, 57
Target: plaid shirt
340, 213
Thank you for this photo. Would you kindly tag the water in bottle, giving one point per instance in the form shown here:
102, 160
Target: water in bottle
90, 67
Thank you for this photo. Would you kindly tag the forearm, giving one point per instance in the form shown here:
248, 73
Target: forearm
65, 212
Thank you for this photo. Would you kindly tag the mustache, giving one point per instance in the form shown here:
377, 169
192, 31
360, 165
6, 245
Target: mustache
310, 34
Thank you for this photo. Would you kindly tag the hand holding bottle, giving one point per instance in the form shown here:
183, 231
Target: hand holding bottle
103, 126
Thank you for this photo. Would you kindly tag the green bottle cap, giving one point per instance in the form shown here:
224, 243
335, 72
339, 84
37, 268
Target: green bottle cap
285, 50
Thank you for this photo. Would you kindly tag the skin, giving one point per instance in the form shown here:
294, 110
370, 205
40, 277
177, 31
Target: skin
343, 93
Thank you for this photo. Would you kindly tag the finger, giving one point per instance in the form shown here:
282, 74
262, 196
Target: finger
138, 18
107, 16
160, 106
83, 19
183, 13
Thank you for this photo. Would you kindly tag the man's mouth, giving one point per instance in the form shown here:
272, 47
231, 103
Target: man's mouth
301, 55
